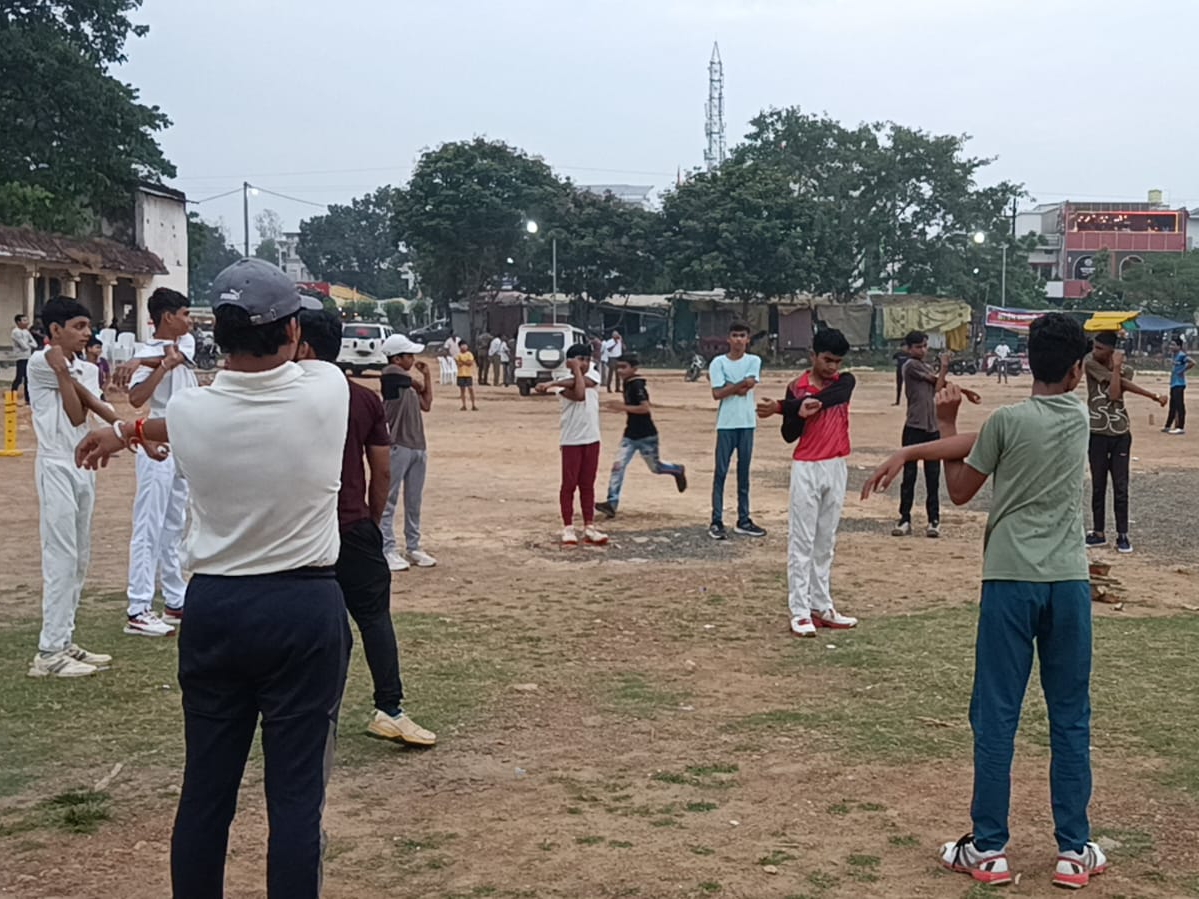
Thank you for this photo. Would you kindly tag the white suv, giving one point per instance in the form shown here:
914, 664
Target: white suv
541, 353
362, 346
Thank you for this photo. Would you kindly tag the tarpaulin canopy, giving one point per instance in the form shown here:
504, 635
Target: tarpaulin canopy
1147, 322
1110, 321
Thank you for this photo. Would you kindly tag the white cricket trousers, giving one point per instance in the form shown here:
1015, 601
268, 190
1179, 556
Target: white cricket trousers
68, 496
159, 511
817, 495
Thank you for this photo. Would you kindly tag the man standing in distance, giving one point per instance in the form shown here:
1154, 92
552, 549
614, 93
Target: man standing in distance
267, 633
1108, 379
362, 569
921, 384
24, 345
733, 377
495, 354
1176, 420
613, 349
1001, 353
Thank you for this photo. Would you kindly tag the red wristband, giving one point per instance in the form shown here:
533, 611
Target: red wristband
139, 431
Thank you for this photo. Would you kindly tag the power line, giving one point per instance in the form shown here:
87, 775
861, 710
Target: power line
292, 199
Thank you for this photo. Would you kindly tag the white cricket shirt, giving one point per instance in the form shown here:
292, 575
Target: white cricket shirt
179, 378
56, 436
262, 453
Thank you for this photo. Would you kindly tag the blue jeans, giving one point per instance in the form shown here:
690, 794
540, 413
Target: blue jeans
1057, 617
648, 448
728, 441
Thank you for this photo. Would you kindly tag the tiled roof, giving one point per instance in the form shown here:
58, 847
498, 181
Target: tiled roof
95, 253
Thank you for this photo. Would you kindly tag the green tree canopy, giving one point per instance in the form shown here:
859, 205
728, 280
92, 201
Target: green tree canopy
208, 253
1164, 283
356, 245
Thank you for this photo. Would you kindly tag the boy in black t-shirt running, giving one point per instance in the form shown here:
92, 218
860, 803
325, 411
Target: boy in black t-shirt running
640, 436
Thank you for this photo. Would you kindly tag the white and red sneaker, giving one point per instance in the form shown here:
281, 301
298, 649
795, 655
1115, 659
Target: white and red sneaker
173, 616
834, 619
985, 867
593, 536
147, 624
803, 627
1074, 869
569, 537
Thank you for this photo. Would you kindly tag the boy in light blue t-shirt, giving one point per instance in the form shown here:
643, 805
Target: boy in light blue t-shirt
1176, 421
733, 377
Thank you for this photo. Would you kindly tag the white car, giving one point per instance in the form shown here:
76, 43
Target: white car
541, 353
362, 346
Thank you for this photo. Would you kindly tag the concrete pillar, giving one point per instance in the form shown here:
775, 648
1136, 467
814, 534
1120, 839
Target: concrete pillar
141, 298
70, 284
30, 291
107, 283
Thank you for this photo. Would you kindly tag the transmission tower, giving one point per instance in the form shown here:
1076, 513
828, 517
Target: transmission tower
714, 128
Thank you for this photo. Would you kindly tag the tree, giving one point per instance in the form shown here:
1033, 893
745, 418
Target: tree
356, 245
208, 253
899, 200
463, 214
742, 228
268, 224
1164, 283
75, 140
269, 250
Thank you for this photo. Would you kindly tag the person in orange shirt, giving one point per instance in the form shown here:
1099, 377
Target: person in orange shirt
466, 375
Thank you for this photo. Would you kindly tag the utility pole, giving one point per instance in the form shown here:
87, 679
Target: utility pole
245, 213
554, 265
714, 128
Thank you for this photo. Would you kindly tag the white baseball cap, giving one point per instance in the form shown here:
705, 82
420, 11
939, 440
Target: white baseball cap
399, 344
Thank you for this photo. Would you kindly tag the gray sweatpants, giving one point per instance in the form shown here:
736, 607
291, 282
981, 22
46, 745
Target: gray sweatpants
408, 467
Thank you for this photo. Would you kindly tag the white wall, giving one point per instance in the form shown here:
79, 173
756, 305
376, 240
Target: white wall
12, 299
161, 228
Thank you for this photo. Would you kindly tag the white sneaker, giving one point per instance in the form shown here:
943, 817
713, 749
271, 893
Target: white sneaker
834, 619
59, 664
396, 562
147, 624
985, 867
97, 660
903, 529
1074, 869
421, 559
593, 536
803, 627
1177, 432
569, 537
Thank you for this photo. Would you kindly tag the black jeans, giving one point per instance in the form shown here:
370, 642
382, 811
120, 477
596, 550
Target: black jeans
22, 378
278, 646
1110, 455
1177, 416
365, 582
932, 478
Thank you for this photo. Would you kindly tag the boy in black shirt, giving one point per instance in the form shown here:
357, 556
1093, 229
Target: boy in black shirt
640, 436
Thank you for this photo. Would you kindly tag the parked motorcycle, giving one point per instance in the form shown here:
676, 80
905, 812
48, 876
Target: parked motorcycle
206, 353
963, 367
696, 369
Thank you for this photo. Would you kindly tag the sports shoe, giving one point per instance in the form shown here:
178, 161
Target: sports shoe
803, 627
569, 537
97, 660
934, 530
401, 728
147, 624
1096, 538
421, 559
1074, 869
985, 867
1123, 544
59, 664
608, 509
834, 620
173, 617
680, 479
396, 562
717, 532
903, 529
748, 529
593, 536
1177, 432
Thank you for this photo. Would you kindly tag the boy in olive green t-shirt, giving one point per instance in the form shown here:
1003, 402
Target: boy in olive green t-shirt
1035, 592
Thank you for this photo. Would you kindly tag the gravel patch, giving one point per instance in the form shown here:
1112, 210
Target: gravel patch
688, 544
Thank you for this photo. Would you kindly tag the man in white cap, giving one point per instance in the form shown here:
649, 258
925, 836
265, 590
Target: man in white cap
267, 634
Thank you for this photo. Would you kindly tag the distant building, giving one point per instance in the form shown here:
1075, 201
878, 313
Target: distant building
1073, 233
112, 273
289, 257
633, 194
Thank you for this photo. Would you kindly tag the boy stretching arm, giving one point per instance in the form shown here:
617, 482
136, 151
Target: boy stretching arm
1035, 594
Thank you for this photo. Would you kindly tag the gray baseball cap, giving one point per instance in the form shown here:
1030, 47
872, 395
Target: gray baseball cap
261, 289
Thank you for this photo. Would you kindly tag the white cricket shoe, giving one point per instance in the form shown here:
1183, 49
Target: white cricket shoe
147, 624
966, 858
59, 664
98, 660
1074, 869
803, 627
421, 559
593, 536
834, 619
396, 562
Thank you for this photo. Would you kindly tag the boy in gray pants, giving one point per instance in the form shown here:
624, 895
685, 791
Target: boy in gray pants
405, 401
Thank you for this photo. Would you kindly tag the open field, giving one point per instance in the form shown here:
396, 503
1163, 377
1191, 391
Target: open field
668, 737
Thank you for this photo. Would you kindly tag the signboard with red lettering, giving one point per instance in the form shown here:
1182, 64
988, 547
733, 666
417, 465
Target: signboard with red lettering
1011, 319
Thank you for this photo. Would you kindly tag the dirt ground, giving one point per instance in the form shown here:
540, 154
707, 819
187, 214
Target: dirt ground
606, 714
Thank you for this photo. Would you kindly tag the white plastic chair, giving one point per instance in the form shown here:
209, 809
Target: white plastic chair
123, 351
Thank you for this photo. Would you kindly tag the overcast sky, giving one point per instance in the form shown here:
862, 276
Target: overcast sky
1089, 99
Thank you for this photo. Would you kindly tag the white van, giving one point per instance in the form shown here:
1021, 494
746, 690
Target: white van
362, 346
541, 353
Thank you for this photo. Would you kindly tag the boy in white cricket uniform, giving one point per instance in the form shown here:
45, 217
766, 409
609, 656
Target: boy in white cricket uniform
66, 494
160, 505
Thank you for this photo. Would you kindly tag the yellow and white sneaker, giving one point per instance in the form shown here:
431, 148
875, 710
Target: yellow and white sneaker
400, 728
59, 664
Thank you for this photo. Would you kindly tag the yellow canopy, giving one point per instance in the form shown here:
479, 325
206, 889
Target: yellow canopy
1108, 321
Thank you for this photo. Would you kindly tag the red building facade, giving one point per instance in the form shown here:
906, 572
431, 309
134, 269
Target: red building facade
1127, 231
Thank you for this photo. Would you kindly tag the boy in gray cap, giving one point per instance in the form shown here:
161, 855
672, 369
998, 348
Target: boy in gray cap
267, 634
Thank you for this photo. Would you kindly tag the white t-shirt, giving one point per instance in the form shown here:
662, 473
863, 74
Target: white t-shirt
580, 421
262, 453
503, 351
494, 349
1003, 351
611, 349
451, 346
23, 343
179, 378
56, 436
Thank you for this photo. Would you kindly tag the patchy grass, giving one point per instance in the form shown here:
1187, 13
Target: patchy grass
701, 806
717, 776
589, 841
633, 694
1133, 843
904, 841
776, 858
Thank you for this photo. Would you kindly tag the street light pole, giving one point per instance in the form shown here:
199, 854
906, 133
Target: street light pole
245, 213
554, 256
1003, 279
